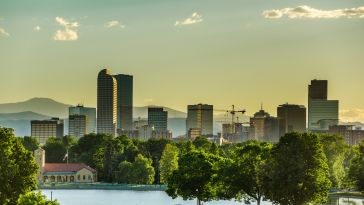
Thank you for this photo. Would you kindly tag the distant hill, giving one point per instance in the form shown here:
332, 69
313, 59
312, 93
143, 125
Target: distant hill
143, 112
43, 106
20, 121
28, 115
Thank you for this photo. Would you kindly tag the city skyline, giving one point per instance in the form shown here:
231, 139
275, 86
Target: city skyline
213, 52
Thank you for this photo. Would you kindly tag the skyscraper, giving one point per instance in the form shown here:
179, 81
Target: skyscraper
77, 125
157, 118
124, 101
322, 113
292, 118
200, 116
106, 103
89, 112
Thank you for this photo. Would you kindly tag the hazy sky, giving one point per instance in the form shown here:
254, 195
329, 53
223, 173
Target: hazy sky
181, 52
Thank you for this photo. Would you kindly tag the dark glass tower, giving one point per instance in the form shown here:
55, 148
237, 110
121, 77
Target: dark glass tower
106, 103
157, 118
124, 101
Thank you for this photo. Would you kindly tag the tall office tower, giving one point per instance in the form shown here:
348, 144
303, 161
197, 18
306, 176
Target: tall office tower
44, 129
157, 118
77, 125
264, 127
200, 116
106, 103
292, 118
125, 101
322, 113
89, 112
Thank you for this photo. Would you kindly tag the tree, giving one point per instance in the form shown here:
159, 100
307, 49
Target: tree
297, 173
87, 146
29, 143
35, 198
335, 150
193, 178
153, 148
142, 171
55, 150
17, 169
356, 172
168, 162
123, 173
242, 175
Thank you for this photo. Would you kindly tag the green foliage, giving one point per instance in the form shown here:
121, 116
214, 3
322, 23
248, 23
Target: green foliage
55, 150
242, 175
140, 171
194, 177
17, 171
335, 150
357, 168
86, 148
124, 171
297, 173
29, 143
35, 198
168, 162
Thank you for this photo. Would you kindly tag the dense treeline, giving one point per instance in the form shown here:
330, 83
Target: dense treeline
300, 169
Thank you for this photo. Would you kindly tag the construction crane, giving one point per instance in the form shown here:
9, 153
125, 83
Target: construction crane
232, 112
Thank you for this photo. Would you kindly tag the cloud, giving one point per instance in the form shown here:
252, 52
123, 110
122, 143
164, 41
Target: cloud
114, 23
69, 32
37, 28
312, 13
195, 18
3, 33
352, 115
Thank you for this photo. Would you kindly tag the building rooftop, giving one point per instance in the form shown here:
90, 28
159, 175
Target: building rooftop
63, 167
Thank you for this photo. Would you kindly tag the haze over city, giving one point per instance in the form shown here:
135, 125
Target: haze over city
217, 52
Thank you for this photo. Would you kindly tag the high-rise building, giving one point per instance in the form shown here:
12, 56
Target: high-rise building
318, 89
157, 118
106, 103
264, 127
200, 116
124, 101
77, 125
44, 129
292, 118
322, 113
90, 114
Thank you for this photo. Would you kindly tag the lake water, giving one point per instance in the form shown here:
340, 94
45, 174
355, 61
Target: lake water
121, 197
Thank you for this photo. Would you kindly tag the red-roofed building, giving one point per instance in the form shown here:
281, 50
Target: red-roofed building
63, 172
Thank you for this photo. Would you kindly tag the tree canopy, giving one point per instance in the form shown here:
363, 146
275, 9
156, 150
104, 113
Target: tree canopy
17, 171
297, 172
35, 198
168, 162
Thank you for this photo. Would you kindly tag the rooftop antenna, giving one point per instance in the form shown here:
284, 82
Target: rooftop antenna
261, 106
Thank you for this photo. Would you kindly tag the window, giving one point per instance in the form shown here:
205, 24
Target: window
84, 177
79, 177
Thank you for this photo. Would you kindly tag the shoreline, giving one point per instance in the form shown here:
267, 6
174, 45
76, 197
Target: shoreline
102, 186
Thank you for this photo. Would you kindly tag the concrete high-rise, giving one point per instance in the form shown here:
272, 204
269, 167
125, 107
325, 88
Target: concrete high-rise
77, 125
106, 103
124, 101
44, 129
200, 116
292, 118
157, 118
264, 127
89, 112
322, 113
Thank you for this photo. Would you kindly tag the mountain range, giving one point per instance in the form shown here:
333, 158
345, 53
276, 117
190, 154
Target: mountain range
18, 115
